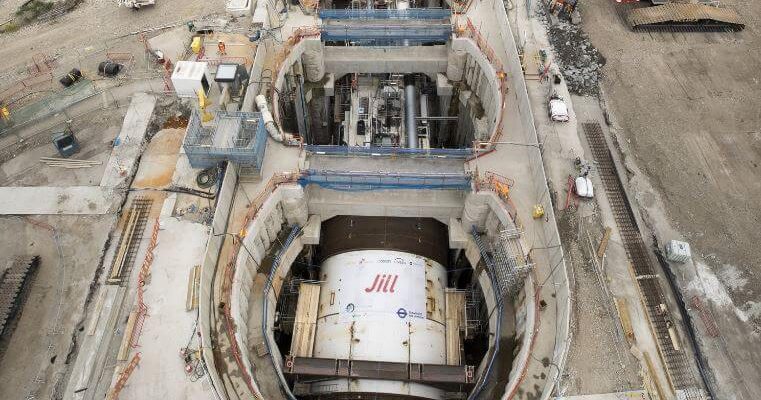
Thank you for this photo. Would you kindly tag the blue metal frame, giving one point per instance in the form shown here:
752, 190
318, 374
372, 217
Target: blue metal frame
364, 14
201, 152
388, 151
386, 34
362, 181
295, 231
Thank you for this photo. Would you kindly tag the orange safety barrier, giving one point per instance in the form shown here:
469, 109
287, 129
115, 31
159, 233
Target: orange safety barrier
113, 394
145, 270
501, 185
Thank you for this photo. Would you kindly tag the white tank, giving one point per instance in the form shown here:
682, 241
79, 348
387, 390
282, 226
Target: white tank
381, 305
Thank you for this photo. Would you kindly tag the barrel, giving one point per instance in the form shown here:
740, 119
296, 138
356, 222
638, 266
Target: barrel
109, 68
69, 79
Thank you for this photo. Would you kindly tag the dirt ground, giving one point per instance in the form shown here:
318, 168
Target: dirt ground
686, 111
39, 348
88, 30
94, 135
599, 360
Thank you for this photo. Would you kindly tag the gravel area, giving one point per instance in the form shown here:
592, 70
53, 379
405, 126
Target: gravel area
579, 61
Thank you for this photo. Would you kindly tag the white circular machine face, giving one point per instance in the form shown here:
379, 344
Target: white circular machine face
381, 305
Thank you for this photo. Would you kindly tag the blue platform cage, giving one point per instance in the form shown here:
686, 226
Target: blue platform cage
231, 136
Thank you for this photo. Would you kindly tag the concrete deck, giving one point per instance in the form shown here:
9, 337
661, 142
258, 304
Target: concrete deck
79, 200
123, 159
169, 327
46, 200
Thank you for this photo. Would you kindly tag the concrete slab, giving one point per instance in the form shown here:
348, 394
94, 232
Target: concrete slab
91, 354
79, 200
173, 43
129, 142
168, 326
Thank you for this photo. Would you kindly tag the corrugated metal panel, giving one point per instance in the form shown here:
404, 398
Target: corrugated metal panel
674, 12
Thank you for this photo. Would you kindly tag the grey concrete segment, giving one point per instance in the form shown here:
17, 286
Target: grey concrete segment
129, 143
430, 60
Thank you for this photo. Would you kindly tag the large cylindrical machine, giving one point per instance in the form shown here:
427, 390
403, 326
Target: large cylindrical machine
382, 299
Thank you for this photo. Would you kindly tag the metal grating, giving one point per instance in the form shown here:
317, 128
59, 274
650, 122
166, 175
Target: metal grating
140, 207
13, 283
677, 364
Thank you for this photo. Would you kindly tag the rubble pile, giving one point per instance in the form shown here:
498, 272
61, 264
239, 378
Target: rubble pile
579, 61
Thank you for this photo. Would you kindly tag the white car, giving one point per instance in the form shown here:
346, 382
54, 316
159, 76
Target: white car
557, 109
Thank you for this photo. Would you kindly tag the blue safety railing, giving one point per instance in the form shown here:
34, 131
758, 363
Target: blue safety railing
295, 231
364, 14
385, 34
363, 181
499, 308
388, 151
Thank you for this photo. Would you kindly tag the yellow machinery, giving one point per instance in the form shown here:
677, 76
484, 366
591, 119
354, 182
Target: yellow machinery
204, 102
195, 46
538, 211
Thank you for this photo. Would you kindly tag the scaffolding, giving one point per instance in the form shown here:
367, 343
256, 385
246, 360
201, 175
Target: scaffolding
506, 264
231, 136
511, 266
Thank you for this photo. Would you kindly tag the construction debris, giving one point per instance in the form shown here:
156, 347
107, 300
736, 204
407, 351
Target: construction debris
579, 60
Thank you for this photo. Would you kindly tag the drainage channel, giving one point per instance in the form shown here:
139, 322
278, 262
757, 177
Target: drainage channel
674, 357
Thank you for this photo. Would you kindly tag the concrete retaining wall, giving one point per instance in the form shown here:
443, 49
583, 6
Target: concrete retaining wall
482, 80
206, 306
431, 60
281, 207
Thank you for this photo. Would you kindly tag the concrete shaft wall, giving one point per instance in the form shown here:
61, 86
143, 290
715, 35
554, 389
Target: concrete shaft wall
284, 205
206, 308
477, 72
289, 203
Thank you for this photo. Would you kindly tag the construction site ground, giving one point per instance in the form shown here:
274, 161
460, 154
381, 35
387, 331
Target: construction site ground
41, 346
684, 116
